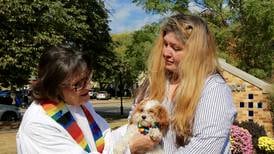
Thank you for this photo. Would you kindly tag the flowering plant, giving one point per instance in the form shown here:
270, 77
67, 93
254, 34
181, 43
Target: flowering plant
241, 140
266, 144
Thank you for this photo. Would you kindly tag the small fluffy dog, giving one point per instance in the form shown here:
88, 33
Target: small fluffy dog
149, 118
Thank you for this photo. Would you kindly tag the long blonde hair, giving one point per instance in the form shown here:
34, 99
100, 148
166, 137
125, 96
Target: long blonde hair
199, 62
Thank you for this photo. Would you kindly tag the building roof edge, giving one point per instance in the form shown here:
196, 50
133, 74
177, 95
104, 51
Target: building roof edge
266, 87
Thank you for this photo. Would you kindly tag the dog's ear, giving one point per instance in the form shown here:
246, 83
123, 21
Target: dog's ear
163, 119
132, 115
137, 109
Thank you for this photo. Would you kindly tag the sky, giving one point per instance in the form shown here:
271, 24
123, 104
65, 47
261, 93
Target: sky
125, 16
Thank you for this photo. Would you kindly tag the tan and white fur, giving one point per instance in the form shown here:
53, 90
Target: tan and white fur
146, 113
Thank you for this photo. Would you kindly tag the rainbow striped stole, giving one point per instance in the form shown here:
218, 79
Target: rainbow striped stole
96, 132
60, 113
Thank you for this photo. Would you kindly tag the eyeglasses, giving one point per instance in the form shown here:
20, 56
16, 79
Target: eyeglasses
81, 84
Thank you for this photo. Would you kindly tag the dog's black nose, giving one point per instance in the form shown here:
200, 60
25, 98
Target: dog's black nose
144, 117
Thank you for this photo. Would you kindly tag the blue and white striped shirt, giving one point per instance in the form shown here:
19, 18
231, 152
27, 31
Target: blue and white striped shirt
214, 116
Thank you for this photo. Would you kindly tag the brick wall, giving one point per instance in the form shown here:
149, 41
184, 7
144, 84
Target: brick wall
250, 101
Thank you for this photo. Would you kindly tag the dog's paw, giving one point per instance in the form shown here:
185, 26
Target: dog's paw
155, 134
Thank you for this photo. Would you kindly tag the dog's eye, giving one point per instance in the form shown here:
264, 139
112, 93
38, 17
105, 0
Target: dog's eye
142, 110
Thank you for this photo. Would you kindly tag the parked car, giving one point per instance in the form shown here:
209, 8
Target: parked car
92, 94
103, 95
17, 98
9, 112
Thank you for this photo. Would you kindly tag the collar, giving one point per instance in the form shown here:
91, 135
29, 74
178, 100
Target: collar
145, 129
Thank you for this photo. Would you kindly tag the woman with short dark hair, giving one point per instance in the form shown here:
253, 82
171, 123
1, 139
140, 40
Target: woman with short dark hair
61, 119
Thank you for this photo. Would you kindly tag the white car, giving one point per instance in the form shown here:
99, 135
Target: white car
103, 95
92, 94
9, 112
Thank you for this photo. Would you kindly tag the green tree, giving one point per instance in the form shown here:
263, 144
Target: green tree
132, 50
138, 51
162, 6
122, 68
27, 28
253, 37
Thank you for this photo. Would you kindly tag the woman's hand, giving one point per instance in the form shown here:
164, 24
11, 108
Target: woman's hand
141, 143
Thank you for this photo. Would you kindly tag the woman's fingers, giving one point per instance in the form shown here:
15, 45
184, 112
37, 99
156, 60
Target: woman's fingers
141, 143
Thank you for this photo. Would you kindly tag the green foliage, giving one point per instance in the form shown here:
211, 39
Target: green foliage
121, 41
162, 6
137, 52
27, 28
254, 37
132, 50
121, 67
243, 30
260, 73
255, 130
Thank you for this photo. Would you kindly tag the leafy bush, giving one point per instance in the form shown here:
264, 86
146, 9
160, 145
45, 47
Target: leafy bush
241, 140
255, 130
266, 144
259, 73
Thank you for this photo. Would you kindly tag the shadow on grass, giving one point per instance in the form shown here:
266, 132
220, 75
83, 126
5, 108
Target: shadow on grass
112, 116
9, 125
115, 120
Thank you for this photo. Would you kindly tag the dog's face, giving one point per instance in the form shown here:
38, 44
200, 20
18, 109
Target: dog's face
149, 113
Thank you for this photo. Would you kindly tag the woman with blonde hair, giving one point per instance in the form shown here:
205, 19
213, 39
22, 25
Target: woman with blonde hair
184, 75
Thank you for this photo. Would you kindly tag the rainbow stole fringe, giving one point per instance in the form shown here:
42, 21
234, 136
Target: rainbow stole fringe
60, 113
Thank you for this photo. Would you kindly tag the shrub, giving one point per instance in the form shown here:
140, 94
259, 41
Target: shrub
266, 144
259, 73
255, 130
241, 140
